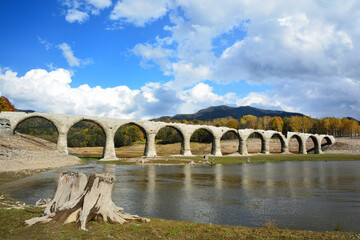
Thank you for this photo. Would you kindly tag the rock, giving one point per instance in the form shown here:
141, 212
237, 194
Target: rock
144, 160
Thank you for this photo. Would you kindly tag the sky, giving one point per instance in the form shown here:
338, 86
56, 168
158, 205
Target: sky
140, 59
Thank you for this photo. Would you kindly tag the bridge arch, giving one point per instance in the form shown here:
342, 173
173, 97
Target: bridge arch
119, 133
48, 131
202, 134
178, 132
239, 139
27, 117
328, 141
75, 122
316, 146
283, 147
261, 136
299, 140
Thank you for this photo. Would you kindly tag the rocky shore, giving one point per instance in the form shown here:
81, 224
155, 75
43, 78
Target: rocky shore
25, 153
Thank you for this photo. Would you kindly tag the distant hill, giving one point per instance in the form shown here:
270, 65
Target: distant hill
350, 118
223, 111
26, 111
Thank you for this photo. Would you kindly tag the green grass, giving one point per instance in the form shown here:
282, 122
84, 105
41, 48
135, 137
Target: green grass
12, 227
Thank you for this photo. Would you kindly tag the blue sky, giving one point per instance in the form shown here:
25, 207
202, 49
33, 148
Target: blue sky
144, 59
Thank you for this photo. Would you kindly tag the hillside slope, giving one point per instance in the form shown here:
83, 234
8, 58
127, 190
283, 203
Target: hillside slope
223, 111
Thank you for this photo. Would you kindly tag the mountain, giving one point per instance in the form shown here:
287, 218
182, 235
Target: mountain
222, 111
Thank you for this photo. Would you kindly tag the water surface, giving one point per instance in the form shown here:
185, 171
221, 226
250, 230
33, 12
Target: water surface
297, 195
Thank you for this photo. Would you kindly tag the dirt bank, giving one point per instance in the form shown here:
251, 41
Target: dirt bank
26, 153
344, 145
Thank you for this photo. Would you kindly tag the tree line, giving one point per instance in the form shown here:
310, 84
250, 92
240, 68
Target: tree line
339, 127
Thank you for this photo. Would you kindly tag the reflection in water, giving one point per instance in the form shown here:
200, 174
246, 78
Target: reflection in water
218, 176
299, 195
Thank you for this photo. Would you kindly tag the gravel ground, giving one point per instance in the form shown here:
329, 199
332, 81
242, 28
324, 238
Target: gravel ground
23, 152
345, 145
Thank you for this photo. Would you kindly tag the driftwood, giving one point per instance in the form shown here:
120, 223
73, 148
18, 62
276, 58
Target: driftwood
93, 203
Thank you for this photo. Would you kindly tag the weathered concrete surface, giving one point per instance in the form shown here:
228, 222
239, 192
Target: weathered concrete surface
64, 122
5, 127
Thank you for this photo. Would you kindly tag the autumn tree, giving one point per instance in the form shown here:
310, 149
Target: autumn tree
295, 123
5, 105
277, 124
250, 121
335, 125
232, 123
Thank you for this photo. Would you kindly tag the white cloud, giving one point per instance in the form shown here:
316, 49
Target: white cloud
202, 96
51, 91
139, 12
100, 4
80, 10
70, 58
74, 15
156, 54
306, 48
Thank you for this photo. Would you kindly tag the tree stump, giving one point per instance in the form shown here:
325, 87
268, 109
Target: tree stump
71, 185
94, 203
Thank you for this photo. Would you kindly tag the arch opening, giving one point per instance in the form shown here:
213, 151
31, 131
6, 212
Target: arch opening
201, 142
130, 141
87, 139
325, 143
169, 141
39, 127
230, 143
276, 144
311, 145
295, 144
255, 143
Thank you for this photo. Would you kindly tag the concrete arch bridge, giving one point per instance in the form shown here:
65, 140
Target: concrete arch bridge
64, 122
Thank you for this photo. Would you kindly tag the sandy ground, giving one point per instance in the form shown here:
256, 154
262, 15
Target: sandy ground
23, 152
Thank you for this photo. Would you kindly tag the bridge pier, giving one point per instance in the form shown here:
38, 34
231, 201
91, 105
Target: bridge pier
285, 148
62, 141
265, 146
150, 150
242, 147
216, 147
109, 153
185, 146
302, 146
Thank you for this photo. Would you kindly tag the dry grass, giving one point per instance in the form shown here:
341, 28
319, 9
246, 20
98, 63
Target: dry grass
12, 227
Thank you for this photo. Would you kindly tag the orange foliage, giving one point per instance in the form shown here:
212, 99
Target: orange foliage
5, 105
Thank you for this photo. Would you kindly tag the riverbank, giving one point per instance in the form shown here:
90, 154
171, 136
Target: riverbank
26, 154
